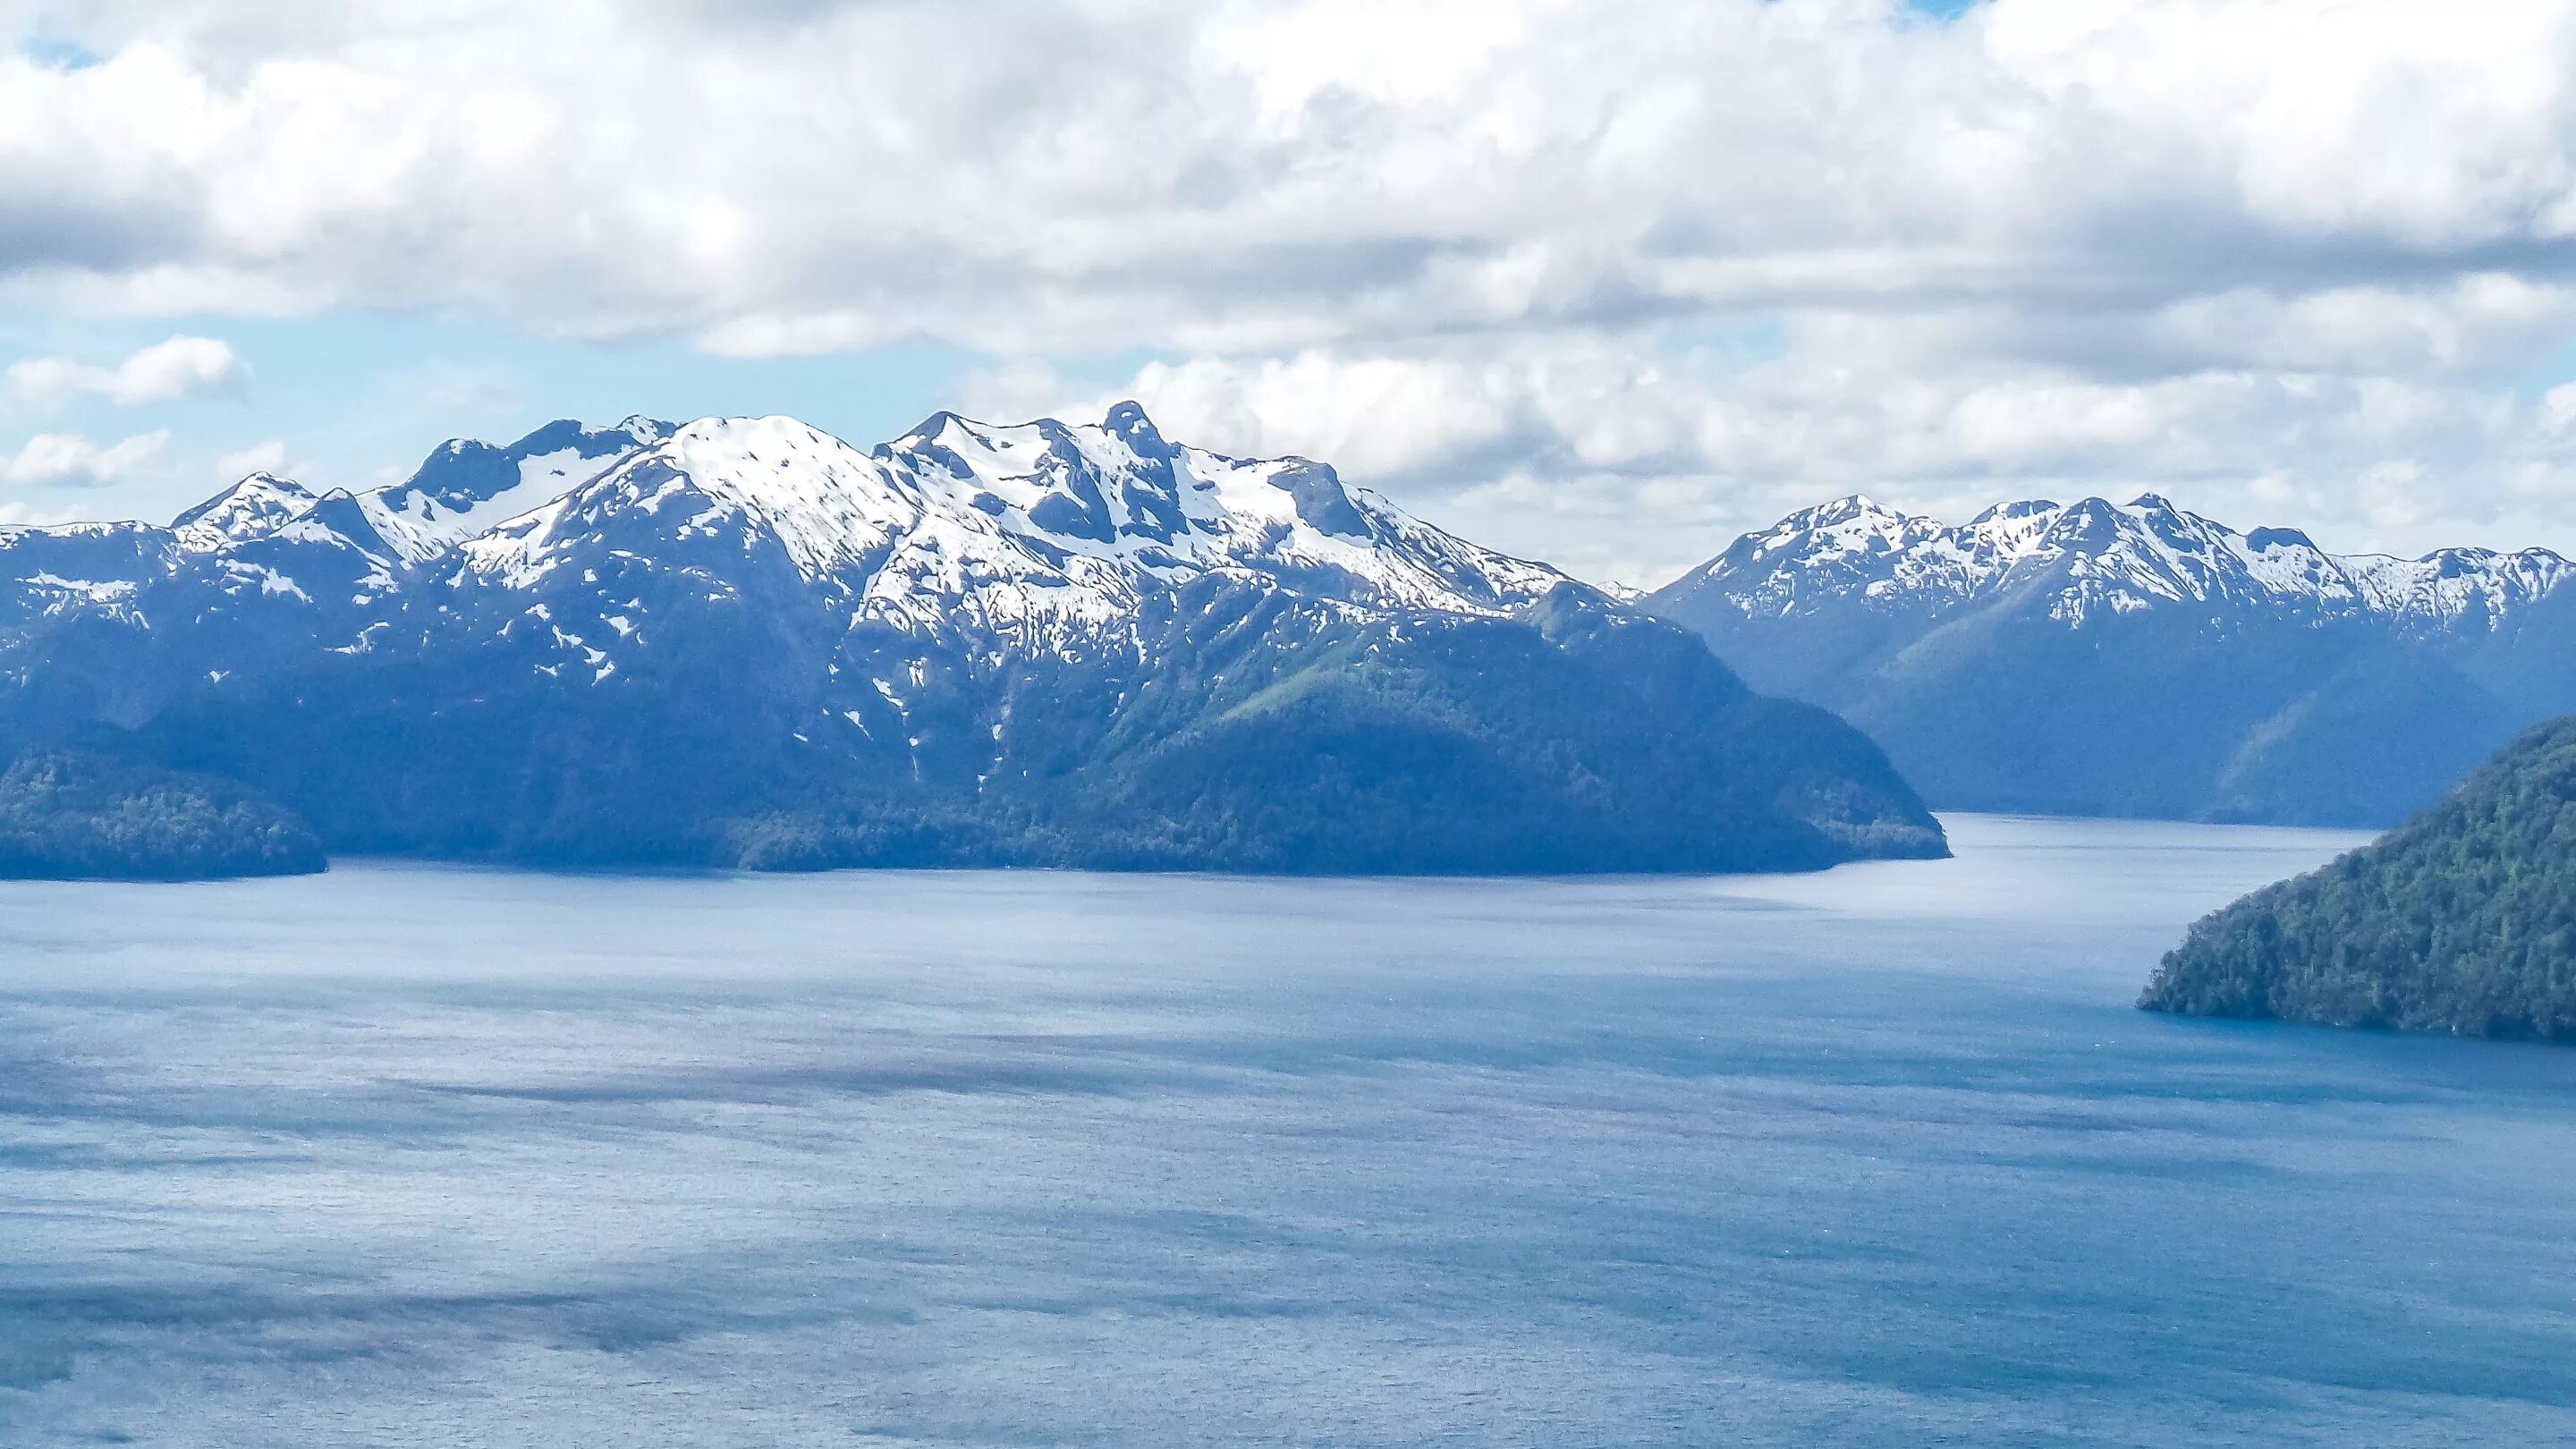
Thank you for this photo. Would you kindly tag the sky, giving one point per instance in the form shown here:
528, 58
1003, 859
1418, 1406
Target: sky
1603, 282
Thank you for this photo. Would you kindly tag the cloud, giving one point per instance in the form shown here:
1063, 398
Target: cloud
176, 368
1632, 465
2316, 252
464, 394
262, 457
1243, 175
20, 511
68, 458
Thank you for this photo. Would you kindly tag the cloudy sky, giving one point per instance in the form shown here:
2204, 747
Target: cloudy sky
1602, 281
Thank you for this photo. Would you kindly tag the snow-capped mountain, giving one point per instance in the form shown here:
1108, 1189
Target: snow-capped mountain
255, 507
1039, 537
745, 639
467, 486
69, 566
2096, 557
2098, 657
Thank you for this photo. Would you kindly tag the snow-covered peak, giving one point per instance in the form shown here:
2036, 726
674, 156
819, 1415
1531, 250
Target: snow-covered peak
253, 508
2467, 588
1027, 531
2094, 558
1119, 493
1126, 421
605, 553
828, 504
1850, 508
68, 562
338, 519
467, 486
1849, 545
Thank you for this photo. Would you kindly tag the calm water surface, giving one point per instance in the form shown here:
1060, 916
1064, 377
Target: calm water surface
1880, 1157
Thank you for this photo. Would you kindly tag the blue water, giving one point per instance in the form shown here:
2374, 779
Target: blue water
408, 1156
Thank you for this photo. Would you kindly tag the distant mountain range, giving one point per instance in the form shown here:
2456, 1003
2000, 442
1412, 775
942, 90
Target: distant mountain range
2137, 659
744, 641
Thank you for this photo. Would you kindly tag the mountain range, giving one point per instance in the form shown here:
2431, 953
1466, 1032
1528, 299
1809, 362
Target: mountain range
743, 641
2138, 659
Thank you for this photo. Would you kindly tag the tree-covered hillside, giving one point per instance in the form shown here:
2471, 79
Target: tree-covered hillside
2463, 921
73, 815
1255, 734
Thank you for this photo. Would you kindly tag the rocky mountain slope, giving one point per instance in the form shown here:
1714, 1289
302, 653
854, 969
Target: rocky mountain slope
2138, 659
744, 640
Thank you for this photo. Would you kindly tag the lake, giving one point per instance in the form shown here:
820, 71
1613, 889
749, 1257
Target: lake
413, 1155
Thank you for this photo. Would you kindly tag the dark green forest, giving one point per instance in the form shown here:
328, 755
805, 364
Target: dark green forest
2463, 921
86, 816
1573, 739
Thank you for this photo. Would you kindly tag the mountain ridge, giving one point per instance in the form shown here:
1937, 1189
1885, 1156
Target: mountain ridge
2097, 658
2155, 552
746, 640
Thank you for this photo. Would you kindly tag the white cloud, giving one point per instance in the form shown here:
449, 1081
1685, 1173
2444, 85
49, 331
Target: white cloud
262, 457
2305, 258
463, 394
1238, 175
1629, 467
71, 458
20, 511
176, 368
